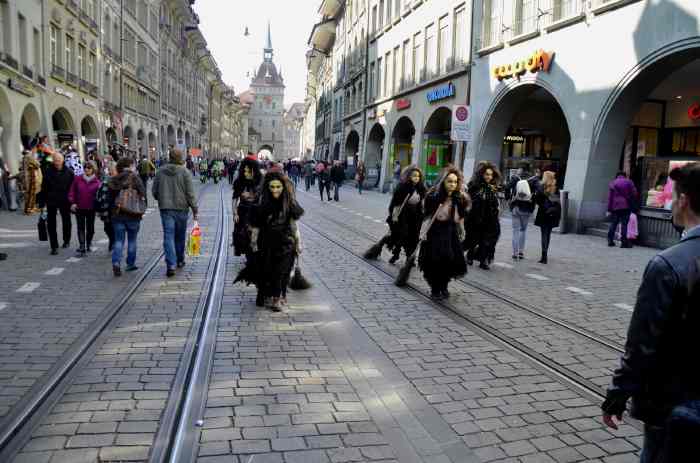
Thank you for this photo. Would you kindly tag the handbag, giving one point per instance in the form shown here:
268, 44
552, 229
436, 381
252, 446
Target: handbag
41, 228
130, 202
396, 212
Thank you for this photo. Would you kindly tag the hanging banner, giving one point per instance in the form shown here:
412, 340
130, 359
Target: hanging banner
461, 123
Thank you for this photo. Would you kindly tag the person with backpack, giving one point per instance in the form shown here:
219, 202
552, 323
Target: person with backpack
657, 370
173, 190
146, 170
622, 201
82, 195
520, 191
127, 196
548, 210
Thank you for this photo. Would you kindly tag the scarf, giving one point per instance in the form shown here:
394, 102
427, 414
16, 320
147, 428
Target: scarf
89, 178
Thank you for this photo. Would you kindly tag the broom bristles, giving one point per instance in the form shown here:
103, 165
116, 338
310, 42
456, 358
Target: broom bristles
374, 252
299, 282
405, 272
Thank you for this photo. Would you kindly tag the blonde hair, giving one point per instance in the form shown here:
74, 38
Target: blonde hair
549, 182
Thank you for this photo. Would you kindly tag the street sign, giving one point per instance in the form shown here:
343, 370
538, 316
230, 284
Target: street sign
461, 123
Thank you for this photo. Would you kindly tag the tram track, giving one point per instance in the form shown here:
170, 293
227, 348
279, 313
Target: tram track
177, 438
587, 388
16, 428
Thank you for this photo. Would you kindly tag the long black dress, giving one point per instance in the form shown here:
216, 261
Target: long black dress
482, 225
405, 233
441, 257
277, 246
248, 192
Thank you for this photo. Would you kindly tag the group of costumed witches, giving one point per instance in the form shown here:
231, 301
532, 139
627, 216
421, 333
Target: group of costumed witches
430, 224
266, 233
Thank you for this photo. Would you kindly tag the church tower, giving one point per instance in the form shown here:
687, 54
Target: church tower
267, 111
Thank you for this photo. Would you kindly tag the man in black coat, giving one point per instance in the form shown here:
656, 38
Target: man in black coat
54, 196
657, 369
337, 177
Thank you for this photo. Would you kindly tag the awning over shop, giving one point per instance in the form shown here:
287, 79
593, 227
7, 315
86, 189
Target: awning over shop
323, 36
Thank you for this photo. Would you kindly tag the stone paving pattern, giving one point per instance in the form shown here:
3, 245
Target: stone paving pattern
111, 412
37, 328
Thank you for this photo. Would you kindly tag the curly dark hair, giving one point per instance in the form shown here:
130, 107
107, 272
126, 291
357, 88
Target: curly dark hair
481, 169
268, 204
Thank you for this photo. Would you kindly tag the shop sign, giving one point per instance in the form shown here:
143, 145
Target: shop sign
514, 139
403, 104
539, 61
19, 87
90, 103
440, 93
694, 112
461, 123
64, 92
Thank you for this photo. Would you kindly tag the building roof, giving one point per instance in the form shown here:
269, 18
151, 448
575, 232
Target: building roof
267, 74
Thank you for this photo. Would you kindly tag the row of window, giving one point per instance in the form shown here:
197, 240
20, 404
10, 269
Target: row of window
139, 101
146, 17
27, 36
65, 53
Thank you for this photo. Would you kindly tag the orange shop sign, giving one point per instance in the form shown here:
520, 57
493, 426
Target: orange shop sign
539, 61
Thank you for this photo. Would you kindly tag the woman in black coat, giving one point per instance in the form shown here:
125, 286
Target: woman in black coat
246, 193
276, 238
483, 227
441, 257
548, 210
406, 212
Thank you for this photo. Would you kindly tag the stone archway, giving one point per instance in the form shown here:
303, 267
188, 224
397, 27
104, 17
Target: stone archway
171, 136
90, 135
527, 125
128, 136
29, 125
352, 144
141, 143
188, 139
619, 109
374, 152
179, 136
437, 150
402, 142
63, 126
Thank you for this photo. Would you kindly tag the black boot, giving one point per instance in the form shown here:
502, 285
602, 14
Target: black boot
394, 258
543, 259
260, 300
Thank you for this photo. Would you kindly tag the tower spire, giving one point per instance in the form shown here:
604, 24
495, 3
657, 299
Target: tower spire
267, 51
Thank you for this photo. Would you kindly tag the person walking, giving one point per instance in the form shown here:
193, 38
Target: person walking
102, 206
396, 179
56, 184
406, 213
548, 210
441, 257
657, 371
324, 179
622, 201
275, 236
82, 195
146, 170
308, 172
482, 225
521, 187
126, 224
173, 189
360, 175
32, 179
337, 177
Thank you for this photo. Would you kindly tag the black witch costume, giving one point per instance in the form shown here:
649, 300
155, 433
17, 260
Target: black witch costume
277, 240
441, 257
247, 193
482, 224
406, 214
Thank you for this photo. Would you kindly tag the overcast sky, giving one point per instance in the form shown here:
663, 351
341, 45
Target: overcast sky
224, 21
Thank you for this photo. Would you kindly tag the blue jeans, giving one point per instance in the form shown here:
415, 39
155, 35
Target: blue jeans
174, 235
520, 222
124, 228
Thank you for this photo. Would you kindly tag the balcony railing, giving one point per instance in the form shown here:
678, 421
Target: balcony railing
10, 61
71, 79
27, 72
72, 5
57, 72
83, 85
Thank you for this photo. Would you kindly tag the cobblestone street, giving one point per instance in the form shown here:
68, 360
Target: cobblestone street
356, 370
